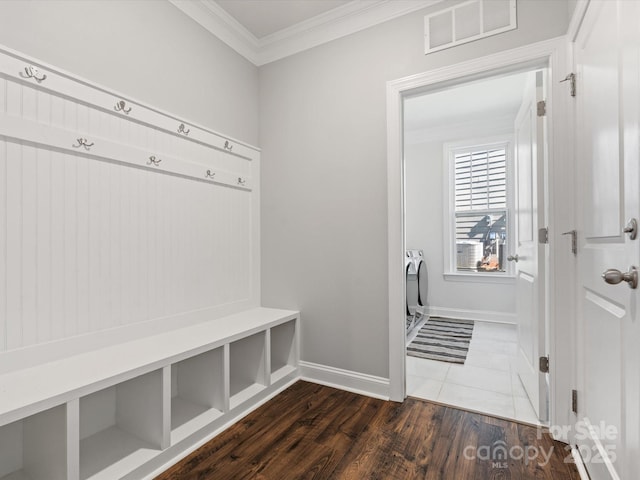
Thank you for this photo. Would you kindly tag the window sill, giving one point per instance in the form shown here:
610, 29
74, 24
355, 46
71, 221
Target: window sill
480, 278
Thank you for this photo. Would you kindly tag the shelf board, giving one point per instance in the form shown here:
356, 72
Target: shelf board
282, 372
245, 394
112, 453
188, 417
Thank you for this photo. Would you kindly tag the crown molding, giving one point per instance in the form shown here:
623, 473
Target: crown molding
339, 22
218, 22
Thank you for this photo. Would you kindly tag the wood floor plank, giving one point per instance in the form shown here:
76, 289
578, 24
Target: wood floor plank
320, 433
362, 457
415, 432
225, 450
292, 436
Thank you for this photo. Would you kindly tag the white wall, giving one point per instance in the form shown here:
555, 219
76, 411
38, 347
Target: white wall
424, 223
148, 50
324, 205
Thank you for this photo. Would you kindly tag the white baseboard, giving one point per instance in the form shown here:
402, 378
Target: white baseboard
361, 383
597, 452
577, 458
481, 315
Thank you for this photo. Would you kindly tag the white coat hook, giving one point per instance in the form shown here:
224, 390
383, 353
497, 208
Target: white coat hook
83, 142
182, 129
121, 107
154, 161
33, 72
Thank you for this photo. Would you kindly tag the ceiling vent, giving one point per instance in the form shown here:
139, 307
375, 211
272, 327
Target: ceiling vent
468, 21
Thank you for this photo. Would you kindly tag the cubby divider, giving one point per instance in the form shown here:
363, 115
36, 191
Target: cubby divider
248, 369
283, 350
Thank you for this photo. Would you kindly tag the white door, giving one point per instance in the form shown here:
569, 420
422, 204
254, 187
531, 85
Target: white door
529, 252
607, 134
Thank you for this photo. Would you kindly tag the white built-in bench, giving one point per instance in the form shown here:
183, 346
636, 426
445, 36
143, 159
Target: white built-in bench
131, 242
130, 409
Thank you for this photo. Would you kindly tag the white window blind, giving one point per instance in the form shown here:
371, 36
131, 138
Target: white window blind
480, 204
481, 179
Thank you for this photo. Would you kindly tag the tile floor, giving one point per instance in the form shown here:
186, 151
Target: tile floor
486, 383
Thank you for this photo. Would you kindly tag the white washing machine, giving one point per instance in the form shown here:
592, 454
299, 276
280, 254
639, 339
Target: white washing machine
417, 285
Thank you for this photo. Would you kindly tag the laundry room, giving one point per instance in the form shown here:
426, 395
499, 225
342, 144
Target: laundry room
461, 242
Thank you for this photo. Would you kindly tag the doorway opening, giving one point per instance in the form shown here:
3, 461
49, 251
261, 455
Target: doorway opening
474, 199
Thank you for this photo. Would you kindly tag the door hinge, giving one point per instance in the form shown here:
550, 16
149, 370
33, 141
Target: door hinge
574, 401
571, 78
542, 108
544, 364
543, 235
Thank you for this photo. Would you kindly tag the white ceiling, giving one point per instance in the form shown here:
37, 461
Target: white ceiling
496, 98
265, 17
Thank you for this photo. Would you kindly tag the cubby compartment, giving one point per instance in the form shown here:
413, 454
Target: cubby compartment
197, 393
283, 350
247, 372
35, 448
122, 427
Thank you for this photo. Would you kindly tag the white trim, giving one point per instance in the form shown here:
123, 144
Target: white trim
495, 63
494, 278
479, 315
576, 19
580, 466
336, 23
598, 453
360, 383
218, 22
554, 52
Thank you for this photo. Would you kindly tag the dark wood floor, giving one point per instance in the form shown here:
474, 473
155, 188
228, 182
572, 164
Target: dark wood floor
315, 432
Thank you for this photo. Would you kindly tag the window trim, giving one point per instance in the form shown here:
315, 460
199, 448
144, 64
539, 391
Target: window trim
450, 271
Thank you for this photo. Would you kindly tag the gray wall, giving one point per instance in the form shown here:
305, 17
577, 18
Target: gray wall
324, 203
571, 5
146, 49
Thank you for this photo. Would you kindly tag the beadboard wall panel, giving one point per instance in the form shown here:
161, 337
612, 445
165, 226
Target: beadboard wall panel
90, 245
92, 241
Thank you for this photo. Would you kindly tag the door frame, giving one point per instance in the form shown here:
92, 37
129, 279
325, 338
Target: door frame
561, 264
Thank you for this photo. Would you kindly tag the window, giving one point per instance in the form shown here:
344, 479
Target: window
479, 208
